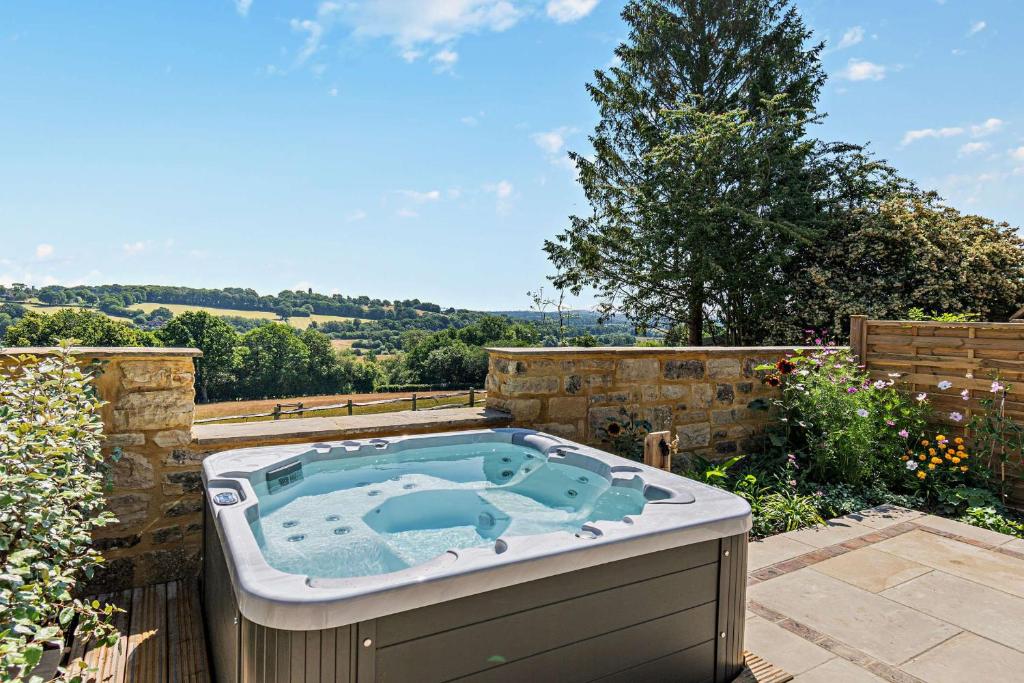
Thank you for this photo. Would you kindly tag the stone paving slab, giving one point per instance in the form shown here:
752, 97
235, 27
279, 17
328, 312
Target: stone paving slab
911, 598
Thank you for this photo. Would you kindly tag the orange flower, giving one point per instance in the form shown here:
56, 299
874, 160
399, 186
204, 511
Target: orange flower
924, 442
905, 458
958, 440
931, 451
921, 457
956, 461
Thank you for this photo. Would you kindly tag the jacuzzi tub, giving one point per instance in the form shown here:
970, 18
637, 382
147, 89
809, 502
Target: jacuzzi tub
501, 554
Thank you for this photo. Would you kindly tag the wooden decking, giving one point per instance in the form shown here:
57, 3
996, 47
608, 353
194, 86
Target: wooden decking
162, 638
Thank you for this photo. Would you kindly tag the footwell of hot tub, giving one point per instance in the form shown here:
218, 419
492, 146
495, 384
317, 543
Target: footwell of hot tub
673, 615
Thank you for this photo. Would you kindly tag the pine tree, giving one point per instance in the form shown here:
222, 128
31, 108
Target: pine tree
700, 184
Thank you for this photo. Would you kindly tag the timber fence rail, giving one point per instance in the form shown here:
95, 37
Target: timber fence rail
970, 356
474, 396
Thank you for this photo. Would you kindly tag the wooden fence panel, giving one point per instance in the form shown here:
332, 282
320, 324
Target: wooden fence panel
969, 355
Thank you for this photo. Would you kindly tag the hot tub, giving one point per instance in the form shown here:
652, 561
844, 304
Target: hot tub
495, 555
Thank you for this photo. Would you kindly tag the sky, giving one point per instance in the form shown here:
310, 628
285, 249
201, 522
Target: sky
410, 148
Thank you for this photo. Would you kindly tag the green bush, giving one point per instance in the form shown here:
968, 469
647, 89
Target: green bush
51, 499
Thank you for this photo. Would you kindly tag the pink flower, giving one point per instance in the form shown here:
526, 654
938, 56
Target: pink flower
890, 423
997, 387
956, 417
966, 394
904, 433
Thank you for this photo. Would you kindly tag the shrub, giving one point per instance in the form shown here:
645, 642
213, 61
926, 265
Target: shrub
991, 518
839, 424
51, 486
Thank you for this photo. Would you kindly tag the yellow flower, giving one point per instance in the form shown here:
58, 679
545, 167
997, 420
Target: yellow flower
958, 440
963, 455
963, 468
956, 461
936, 461
921, 475
940, 437
921, 457
931, 466
931, 451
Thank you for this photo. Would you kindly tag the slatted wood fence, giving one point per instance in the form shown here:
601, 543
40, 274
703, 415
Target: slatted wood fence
968, 355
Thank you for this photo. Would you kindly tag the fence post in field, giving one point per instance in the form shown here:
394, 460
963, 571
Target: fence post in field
277, 411
414, 401
657, 452
300, 408
858, 336
472, 397
349, 406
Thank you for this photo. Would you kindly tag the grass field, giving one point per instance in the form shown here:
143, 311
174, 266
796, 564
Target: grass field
424, 399
43, 308
301, 323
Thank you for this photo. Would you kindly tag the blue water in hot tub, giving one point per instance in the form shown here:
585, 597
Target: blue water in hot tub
360, 516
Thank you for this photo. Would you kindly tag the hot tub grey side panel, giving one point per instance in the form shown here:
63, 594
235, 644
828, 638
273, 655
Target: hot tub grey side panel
732, 607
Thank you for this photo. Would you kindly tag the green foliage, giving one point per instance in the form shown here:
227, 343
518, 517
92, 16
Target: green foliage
991, 518
838, 424
51, 499
998, 439
919, 314
211, 335
86, 328
625, 434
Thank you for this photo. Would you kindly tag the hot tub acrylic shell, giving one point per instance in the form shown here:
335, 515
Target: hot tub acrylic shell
658, 596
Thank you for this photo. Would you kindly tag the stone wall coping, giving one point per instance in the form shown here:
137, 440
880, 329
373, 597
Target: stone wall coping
297, 430
644, 350
105, 351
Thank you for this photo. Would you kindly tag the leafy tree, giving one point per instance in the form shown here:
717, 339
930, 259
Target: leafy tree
322, 367
86, 328
697, 91
211, 335
904, 251
274, 362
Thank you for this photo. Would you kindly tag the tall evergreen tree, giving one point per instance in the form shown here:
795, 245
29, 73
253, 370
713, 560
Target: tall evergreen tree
700, 185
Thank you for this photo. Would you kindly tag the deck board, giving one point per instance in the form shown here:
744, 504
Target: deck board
162, 639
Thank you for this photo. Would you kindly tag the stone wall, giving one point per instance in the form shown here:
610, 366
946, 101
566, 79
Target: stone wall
701, 394
155, 495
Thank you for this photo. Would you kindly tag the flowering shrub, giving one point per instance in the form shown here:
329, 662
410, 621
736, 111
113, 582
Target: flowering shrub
838, 424
625, 434
51, 486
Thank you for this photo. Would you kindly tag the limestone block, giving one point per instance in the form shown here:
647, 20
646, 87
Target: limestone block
185, 456
675, 391
613, 397
124, 440
600, 417
573, 384
631, 369
541, 368
184, 506
155, 374
649, 393
566, 431
183, 481
724, 393
530, 385
173, 437
130, 509
660, 417
598, 365
598, 381
702, 394
567, 408
694, 435
507, 366
167, 534
684, 369
491, 384
165, 409
523, 409
745, 387
133, 471
721, 368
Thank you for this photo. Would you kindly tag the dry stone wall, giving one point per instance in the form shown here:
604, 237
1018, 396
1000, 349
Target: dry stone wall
700, 394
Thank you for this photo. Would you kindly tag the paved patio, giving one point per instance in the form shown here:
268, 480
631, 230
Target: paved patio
889, 595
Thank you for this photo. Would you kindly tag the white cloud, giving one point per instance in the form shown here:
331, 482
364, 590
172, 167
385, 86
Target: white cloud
563, 11
333, 92
863, 70
913, 135
469, 120
133, 248
406, 213
314, 34
989, 126
411, 55
421, 197
977, 27
972, 148
44, 251
852, 37
355, 216
552, 141
414, 22
243, 7
504, 191
444, 59
1018, 153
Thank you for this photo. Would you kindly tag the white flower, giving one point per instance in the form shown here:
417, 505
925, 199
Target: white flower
911, 465
894, 374
945, 384
921, 397
880, 384
966, 394
955, 416
862, 412
997, 387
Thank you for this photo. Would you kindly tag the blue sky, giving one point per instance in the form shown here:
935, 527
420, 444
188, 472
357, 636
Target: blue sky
409, 148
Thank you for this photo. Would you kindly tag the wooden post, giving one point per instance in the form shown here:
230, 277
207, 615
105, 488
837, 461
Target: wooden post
859, 337
657, 452
277, 411
350, 406
300, 408
414, 401
472, 397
